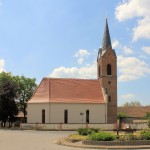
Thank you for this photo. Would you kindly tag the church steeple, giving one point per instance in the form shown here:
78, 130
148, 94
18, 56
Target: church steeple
106, 38
107, 75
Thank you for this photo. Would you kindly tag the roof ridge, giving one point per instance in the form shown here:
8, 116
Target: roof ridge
68, 79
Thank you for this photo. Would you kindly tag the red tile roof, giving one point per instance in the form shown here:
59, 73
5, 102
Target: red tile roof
135, 111
60, 90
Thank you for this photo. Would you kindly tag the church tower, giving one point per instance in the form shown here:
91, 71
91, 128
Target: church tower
107, 75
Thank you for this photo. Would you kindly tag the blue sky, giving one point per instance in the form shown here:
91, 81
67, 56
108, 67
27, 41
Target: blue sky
60, 38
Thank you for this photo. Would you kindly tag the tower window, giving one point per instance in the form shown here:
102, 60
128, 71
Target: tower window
109, 99
43, 115
108, 69
109, 82
99, 71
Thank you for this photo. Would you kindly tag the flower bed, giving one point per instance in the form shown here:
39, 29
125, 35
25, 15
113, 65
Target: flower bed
104, 138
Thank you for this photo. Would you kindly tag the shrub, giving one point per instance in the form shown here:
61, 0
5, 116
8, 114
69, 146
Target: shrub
145, 134
127, 137
102, 136
148, 123
87, 131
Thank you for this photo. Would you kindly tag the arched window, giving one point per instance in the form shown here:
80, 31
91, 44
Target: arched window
65, 116
99, 71
87, 116
109, 99
43, 115
108, 69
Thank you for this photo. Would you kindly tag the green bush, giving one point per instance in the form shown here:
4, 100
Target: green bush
102, 136
87, 131
148, 123
127, 137
145, 134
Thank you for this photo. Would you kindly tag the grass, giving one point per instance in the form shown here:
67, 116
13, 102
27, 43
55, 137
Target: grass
77, 137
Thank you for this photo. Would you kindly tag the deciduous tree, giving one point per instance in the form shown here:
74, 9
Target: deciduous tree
8, 94
26, 89
132, 104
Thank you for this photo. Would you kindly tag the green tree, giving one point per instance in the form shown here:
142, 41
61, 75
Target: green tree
26, 89
121, 114
8, 94
147, 116
148, 123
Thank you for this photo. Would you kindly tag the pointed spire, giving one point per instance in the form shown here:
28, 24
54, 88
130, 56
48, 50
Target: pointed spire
106, 38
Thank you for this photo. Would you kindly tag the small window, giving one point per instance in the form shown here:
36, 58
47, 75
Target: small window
43, 115
109, 99
87, 116
66, 116
109, 82
99, 71
109, 69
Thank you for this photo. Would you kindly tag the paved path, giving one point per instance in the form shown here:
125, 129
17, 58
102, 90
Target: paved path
33, 140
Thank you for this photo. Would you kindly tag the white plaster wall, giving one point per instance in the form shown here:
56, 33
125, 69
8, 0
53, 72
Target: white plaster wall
97, 112
35, 112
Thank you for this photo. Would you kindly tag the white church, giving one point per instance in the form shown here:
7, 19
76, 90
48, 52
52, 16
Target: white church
66, 100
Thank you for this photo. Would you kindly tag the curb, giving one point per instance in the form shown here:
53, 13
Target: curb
80, 145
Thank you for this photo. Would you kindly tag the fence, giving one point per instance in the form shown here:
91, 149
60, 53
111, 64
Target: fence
39, 126
61, 126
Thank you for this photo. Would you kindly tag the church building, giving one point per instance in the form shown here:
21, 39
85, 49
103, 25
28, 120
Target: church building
67, 100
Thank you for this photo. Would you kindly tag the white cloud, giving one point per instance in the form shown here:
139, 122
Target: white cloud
127, 50
132, 8
136, 8
142, 30
87, 72
2, 63
131, 68
115, 44
146, 50
127, 97
82, 55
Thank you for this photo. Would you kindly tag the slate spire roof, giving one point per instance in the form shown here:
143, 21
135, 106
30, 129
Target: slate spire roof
106, 38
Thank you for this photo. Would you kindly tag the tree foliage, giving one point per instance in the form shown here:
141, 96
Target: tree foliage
147, 116
15, 91
8, 94
26, 89
132, 104
121, 114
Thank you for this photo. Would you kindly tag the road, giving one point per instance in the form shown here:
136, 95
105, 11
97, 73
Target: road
33, 140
